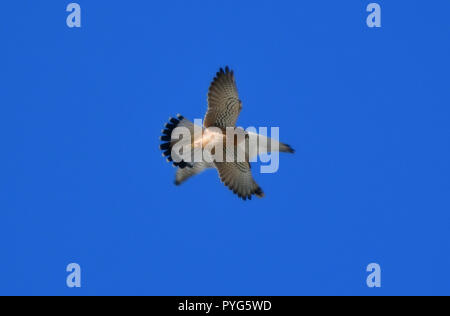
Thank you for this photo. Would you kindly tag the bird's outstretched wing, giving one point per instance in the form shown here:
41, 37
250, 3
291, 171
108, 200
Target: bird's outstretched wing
237, 176
224, 105
184, 174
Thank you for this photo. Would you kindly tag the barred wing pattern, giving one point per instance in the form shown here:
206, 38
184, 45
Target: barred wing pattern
224, 105
237, 176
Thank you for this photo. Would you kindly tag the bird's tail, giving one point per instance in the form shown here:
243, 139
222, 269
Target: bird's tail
169, 141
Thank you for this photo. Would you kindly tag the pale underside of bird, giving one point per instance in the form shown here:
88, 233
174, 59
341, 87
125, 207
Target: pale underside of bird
224, 107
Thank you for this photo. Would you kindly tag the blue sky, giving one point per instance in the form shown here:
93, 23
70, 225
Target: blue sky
82, 178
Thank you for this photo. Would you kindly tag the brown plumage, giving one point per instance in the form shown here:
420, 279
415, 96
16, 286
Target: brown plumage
224, 107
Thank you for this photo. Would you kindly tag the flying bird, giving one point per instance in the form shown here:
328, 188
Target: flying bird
224, 107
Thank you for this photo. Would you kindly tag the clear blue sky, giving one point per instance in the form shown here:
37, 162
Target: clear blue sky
82, 179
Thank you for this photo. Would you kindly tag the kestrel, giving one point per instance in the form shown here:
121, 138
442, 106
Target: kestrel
224, 107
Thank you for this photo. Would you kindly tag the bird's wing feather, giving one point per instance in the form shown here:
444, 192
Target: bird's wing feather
237, 176
184, 174
224, 105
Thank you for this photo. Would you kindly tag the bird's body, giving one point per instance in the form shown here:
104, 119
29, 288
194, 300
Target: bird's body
229, 153
209, 139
